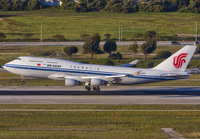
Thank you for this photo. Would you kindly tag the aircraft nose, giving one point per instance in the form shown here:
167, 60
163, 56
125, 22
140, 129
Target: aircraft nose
5, 66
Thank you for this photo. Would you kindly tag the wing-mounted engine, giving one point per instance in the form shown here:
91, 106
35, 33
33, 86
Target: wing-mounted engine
71, 82
97, 82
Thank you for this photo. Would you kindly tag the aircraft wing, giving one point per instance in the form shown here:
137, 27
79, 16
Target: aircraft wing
82, 78
129, 64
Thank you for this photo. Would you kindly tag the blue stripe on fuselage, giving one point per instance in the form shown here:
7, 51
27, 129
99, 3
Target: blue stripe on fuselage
80, 71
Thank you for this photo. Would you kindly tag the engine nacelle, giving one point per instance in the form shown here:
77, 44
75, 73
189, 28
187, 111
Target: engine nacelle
97, 82
71, 82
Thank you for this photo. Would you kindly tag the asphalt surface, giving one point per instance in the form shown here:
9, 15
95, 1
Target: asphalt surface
124, 95
77, 43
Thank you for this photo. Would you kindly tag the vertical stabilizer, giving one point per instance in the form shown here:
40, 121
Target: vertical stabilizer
179, 60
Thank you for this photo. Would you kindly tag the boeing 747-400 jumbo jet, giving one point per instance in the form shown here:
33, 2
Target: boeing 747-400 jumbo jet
75, 73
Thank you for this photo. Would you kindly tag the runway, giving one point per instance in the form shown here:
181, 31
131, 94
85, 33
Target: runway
119, 95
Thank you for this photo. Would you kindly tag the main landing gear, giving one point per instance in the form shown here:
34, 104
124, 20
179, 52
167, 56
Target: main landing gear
95, 88
88, 88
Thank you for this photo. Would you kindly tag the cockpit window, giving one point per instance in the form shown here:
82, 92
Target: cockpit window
18, 58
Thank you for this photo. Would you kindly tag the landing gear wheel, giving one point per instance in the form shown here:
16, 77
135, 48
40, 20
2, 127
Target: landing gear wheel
23, 82
94, 88
98, 89
88, 88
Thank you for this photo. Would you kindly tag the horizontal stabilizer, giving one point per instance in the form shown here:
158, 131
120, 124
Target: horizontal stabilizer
133, 63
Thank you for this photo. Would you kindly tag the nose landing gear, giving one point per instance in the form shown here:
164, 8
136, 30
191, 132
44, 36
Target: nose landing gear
23, 82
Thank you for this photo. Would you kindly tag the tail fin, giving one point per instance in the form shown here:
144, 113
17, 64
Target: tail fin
179, 60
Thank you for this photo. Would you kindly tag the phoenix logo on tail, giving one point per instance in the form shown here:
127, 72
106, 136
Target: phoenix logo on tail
179, 60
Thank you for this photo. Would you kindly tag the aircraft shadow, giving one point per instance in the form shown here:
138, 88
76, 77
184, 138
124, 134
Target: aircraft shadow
172, 91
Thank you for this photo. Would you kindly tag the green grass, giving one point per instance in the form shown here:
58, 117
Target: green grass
100, 107
71, 24
99, 124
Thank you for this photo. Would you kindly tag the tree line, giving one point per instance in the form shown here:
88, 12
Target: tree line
115, 6
19, 5
128, 6
91, 46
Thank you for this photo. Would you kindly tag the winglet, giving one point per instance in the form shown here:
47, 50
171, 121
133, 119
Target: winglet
178, 61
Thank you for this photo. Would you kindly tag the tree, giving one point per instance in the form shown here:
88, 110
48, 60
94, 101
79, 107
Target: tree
84, 36
150, 65
149, 34
18, 5
5, 5
137, 35
133, 49
117, 55
107, 36
58, 37
27, 36
109, 62
163, 54
2, 36
70, 50
110, 46
34, 5
198, 49
91, 44
148, 47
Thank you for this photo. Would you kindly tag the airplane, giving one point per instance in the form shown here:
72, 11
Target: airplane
76, 73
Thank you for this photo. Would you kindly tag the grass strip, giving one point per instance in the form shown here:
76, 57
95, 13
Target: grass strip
99, 107
104, 124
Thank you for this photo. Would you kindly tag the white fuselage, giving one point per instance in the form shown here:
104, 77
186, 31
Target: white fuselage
48, 67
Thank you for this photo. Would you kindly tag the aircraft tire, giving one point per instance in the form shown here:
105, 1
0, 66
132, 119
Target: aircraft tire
98, 89
23, 82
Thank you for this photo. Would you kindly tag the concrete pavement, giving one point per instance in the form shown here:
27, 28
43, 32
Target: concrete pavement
119, 95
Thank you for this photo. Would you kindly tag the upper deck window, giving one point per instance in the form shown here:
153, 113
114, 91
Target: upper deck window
35, 61
52, 62
18, 58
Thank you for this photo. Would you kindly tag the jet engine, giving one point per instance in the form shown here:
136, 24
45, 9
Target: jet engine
71, 82
97, 82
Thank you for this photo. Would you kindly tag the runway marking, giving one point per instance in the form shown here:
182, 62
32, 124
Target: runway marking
88, 110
